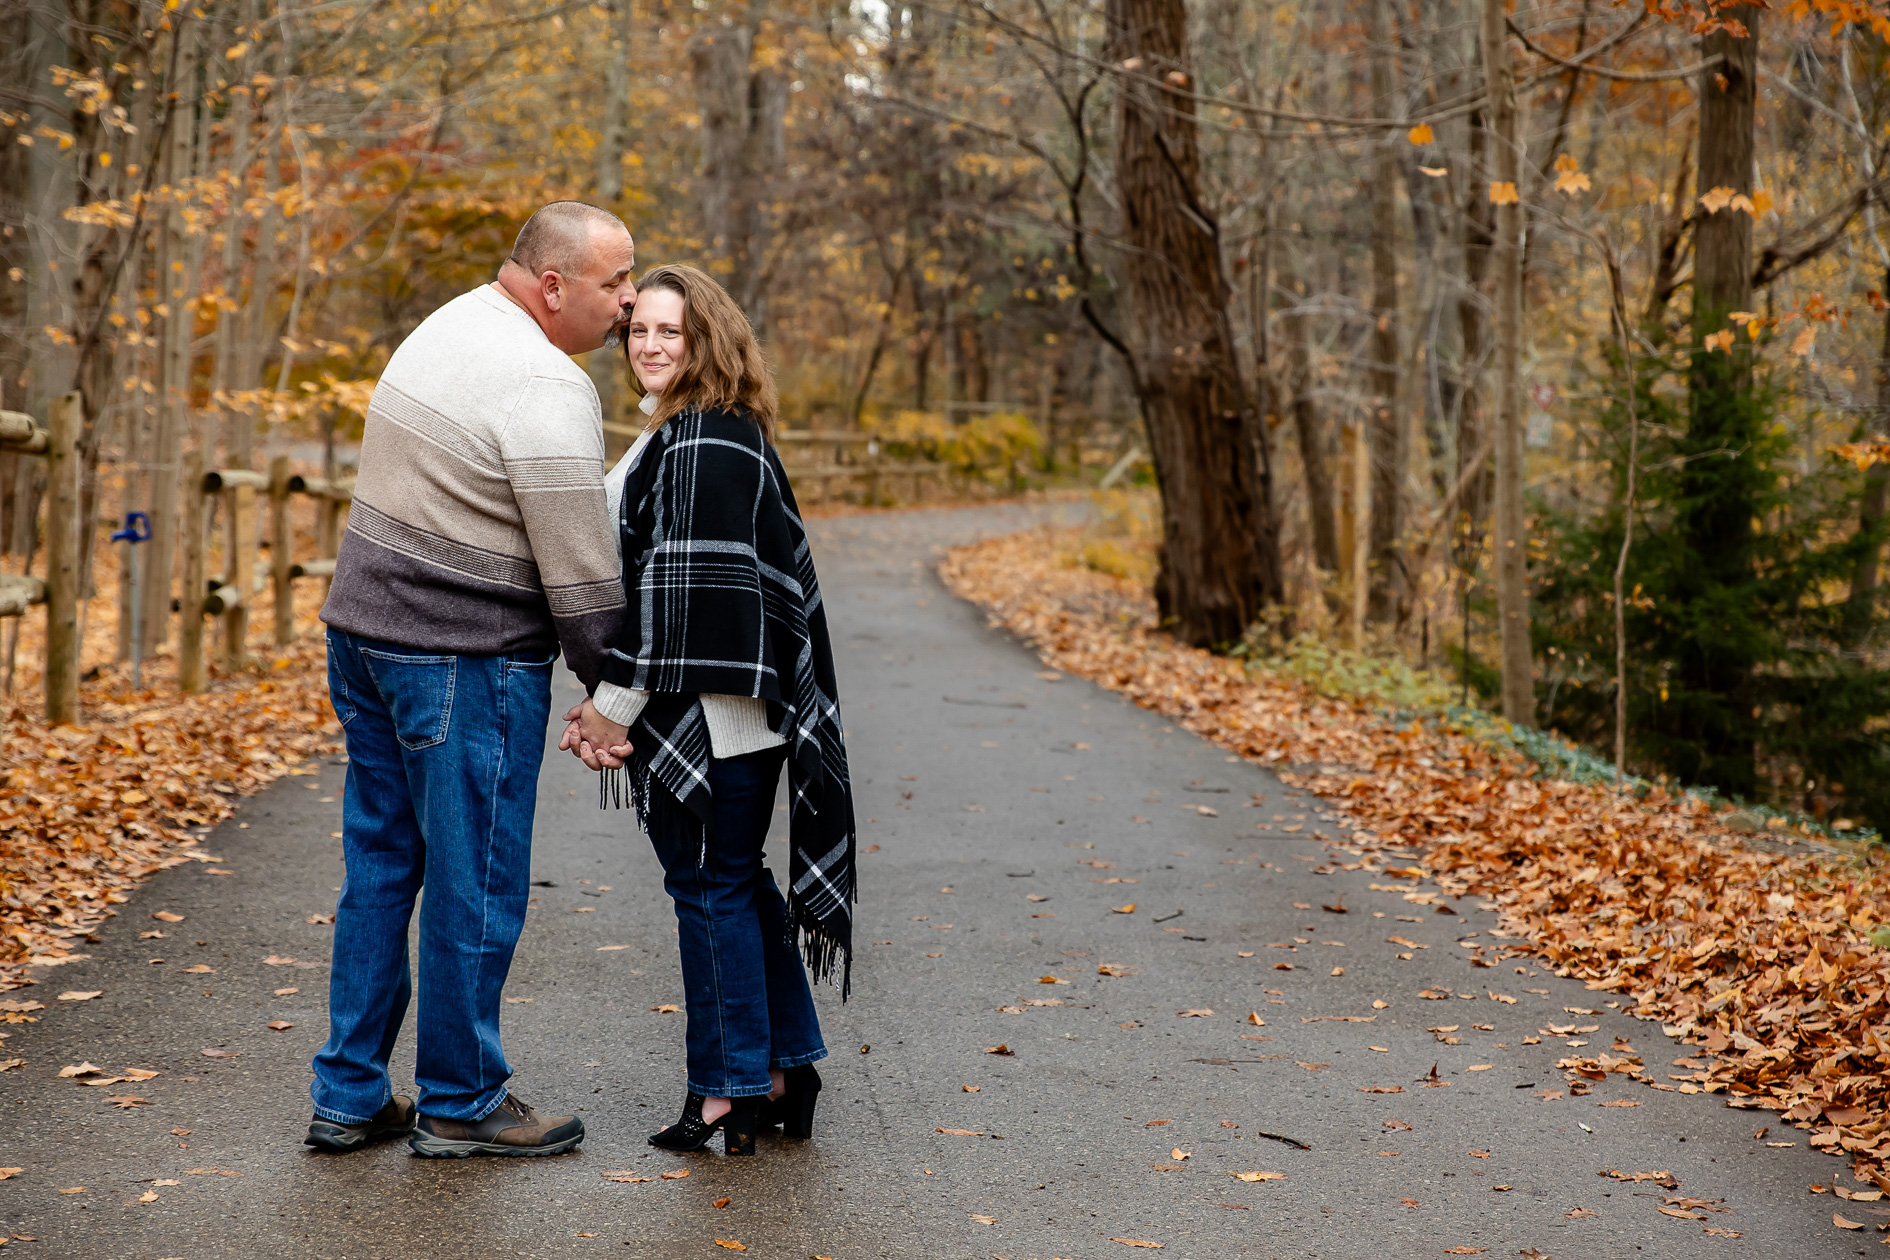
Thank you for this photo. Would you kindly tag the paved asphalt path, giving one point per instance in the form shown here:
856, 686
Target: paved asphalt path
981, 784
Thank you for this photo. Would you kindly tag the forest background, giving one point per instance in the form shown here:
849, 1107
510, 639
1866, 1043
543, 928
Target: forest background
1546, 345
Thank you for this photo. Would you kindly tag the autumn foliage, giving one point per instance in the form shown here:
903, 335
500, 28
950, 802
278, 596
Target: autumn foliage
1763, 959
87, 814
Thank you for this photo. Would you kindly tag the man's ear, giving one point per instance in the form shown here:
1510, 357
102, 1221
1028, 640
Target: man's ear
551, 286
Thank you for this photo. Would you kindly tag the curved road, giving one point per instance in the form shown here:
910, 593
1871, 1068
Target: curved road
1004, 805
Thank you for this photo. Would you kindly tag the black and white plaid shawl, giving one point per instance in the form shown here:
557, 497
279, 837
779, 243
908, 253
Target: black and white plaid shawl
722, 600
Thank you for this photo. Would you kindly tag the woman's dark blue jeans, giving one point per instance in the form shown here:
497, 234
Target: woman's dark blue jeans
750, 1008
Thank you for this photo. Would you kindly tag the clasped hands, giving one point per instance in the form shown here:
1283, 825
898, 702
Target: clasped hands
594, 739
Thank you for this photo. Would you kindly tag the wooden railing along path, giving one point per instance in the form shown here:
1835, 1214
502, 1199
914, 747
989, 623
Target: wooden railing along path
227, 596
58, 444
856, 456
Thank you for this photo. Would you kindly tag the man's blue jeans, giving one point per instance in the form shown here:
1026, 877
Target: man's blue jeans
749, 1005
443, 759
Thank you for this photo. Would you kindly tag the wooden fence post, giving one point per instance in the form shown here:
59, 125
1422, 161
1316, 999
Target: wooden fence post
65, 424
281, 549
190, 675
240, 566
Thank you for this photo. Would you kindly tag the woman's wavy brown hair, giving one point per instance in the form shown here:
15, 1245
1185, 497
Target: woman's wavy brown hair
722, 364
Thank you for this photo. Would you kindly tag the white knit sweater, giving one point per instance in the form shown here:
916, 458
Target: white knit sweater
737, 724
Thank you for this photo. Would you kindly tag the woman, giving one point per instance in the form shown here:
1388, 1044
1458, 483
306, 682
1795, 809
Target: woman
723, 673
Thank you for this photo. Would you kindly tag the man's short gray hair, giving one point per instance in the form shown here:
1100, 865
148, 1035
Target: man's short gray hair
557, 238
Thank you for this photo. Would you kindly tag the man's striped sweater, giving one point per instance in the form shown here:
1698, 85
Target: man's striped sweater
479, 526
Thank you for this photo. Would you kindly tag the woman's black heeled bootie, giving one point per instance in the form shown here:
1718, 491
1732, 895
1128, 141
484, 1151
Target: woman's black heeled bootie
691, 1132
794, 1109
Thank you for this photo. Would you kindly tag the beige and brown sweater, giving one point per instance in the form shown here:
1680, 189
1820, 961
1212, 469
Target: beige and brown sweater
479, 525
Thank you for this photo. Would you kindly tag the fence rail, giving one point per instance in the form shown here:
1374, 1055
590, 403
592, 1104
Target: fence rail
57, 442
230, 594
226, 596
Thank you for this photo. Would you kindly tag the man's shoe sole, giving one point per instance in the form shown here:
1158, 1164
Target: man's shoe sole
427, 1146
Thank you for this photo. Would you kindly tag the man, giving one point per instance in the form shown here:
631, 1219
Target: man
477, 547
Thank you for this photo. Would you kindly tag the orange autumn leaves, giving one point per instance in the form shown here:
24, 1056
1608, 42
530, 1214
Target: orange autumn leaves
85, 814
1763, 959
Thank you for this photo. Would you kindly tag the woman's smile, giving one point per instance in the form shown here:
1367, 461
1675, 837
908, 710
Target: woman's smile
655, 340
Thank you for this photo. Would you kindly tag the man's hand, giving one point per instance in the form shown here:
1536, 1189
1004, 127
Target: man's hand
594, 739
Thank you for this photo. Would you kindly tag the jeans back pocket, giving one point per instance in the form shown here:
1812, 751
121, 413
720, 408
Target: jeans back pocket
418, 692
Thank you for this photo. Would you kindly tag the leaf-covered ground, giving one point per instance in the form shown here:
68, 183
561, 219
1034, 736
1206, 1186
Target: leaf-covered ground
88, 812
1762, 960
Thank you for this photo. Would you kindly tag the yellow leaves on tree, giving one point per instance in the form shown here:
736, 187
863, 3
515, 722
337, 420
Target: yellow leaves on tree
1725, 198
1568, 176
1864, 454
1421, 134
1502, 193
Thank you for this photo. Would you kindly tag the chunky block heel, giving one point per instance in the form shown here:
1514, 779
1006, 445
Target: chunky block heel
794, 1109
738, 1127
797, 1115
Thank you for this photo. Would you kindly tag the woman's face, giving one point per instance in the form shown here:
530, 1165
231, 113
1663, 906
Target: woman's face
655, 341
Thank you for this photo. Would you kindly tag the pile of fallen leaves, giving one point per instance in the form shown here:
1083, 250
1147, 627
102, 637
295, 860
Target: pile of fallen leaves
1761, 959
86, 812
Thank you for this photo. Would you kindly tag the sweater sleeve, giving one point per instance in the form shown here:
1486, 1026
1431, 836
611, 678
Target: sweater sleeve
622, 705
553, 448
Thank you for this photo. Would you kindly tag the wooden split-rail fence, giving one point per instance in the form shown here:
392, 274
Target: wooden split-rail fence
58, 444
853, 457
227, 596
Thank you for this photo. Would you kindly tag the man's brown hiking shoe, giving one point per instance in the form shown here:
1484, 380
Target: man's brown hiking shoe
394, 1120
511, 1128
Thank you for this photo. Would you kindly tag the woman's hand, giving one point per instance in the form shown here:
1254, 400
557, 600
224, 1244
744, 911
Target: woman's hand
594, 739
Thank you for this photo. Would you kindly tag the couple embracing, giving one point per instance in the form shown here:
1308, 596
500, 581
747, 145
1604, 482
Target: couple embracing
485, 537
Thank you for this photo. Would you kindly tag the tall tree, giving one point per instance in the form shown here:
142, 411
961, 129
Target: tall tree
1387, 429
1308, 425
1220, 553
1473, 336
606, 366
743, 108
16, 262
175, 282
1722, 479
1512, 574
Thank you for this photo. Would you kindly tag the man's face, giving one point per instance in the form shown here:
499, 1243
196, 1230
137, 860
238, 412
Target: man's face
593, 307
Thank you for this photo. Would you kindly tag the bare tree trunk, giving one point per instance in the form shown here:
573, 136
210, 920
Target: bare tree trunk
1512, 574
743, 110
614, 139
254, 346
1310, 427
239, 424
16, 76
606, 366
1473, 328
1719, 492
1217, 568
173, 396
1389, 440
